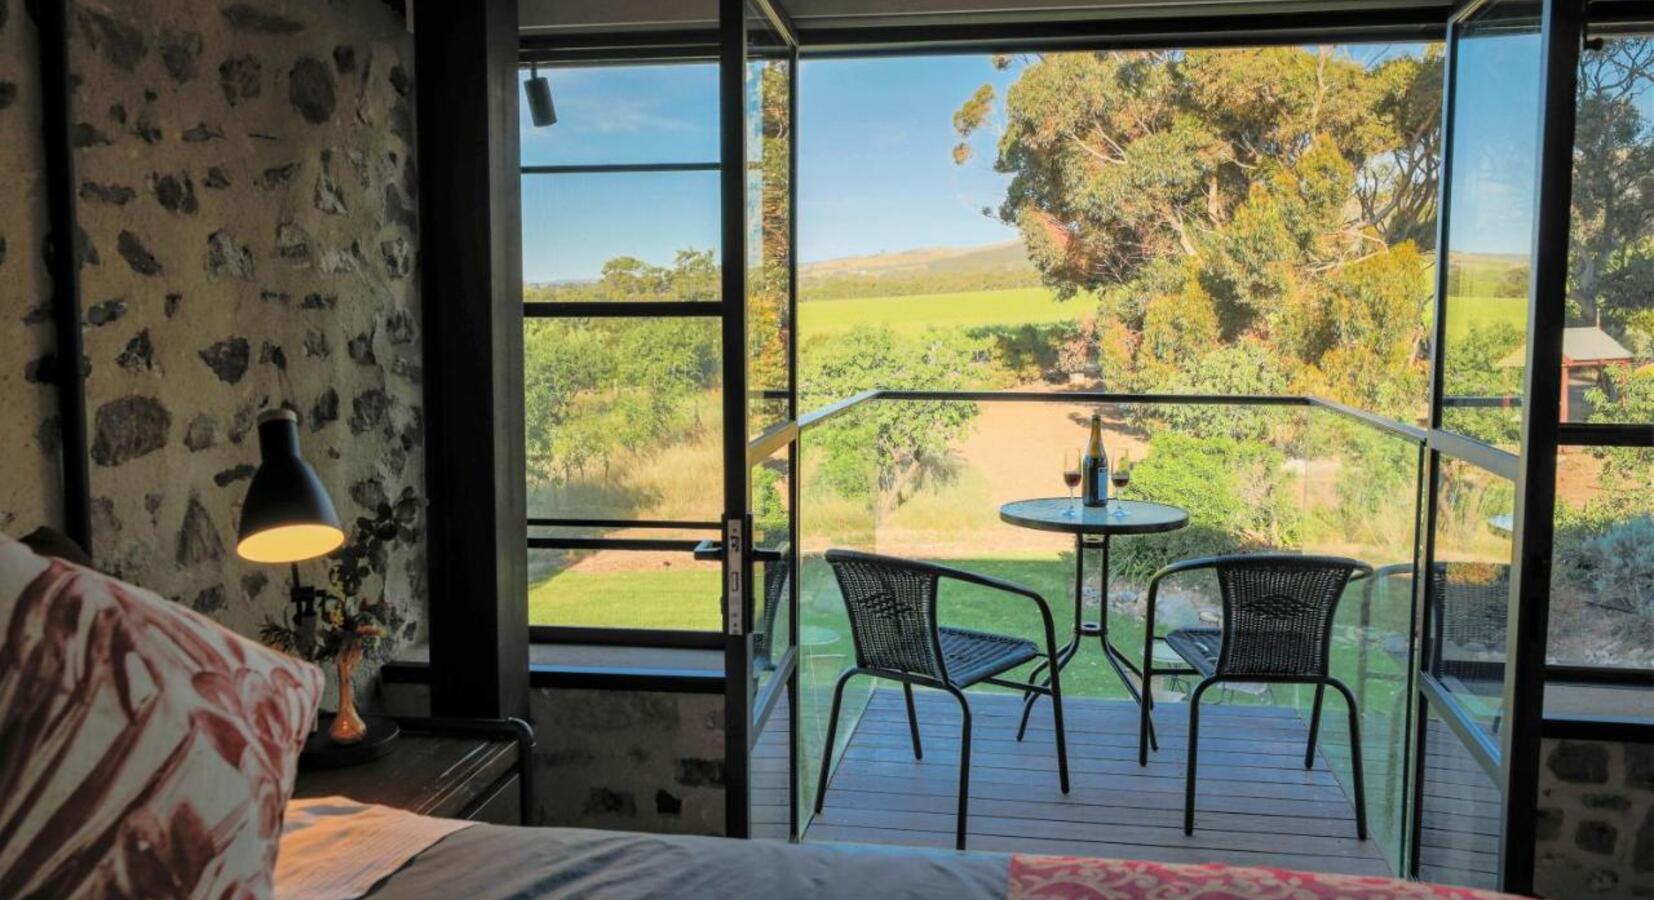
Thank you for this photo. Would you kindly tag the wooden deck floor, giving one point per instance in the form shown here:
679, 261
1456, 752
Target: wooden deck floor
1257, 804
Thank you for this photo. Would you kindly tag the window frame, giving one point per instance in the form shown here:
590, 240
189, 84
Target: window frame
681, 50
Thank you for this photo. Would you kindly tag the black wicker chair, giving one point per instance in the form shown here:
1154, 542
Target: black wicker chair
778, 572
1470, 609
892, 607
1278, 613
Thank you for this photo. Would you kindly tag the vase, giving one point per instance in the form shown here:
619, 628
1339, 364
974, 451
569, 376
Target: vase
348, 727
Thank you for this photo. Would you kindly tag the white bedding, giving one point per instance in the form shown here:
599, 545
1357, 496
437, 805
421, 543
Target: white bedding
334, 848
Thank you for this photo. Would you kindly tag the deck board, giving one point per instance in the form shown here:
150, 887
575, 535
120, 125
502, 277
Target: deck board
1257, 804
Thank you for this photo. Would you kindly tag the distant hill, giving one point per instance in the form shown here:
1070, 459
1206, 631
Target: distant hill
1007, 256
926, 270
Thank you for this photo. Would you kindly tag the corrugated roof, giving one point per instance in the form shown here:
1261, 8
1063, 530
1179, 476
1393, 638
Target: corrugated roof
1581, 344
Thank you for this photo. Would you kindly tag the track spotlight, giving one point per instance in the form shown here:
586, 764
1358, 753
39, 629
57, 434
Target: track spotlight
539, 99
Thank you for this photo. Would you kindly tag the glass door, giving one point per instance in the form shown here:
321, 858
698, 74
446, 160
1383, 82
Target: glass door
1501, 269
758, 81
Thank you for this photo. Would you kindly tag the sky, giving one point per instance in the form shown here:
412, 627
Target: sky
876, 172
1495, 141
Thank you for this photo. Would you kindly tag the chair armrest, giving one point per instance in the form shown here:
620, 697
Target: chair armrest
1008, 587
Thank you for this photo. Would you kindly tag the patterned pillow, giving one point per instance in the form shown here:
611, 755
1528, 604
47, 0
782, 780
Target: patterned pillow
144, 750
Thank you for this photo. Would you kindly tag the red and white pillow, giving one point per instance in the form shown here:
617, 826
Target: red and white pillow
145, 751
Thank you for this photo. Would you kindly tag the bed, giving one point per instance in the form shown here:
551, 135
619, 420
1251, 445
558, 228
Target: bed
490, 862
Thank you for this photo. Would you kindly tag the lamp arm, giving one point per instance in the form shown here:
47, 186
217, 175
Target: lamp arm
304, 613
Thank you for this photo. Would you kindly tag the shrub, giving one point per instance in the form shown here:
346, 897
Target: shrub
909, 440
1615, 564
1235, 492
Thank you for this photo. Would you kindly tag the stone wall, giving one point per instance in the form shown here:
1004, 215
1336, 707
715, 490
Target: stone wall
29, 490
629, 761
625, 760
247, 197
1596, 820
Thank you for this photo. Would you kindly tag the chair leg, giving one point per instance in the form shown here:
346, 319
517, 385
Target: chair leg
913, 721
1194, 749
1355, 758
1029, 698
1062, 737
1314, 725
832, 736
1144, 723
964, 767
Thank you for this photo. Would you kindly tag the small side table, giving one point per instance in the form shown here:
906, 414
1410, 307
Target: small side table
1092, 526
476, 769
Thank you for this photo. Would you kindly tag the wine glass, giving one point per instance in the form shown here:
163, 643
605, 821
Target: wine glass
1121, 476
1070, 477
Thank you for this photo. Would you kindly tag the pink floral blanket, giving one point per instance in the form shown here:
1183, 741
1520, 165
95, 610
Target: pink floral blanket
1081, 878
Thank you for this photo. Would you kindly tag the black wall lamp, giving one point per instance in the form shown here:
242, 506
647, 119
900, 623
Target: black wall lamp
288, 516
539, 98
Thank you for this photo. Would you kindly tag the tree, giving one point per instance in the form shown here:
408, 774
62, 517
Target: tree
1611, 272
1206, 197
769, 330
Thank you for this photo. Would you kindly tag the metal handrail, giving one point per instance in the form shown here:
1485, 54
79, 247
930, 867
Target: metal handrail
837, 408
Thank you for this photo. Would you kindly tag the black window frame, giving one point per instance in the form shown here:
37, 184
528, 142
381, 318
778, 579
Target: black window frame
685, 49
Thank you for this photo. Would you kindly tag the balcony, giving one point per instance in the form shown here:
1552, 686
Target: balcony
1258, 805
1254, 473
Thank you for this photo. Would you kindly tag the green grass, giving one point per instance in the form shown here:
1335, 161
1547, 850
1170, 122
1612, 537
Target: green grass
685, 598
1017, 306
1463, 312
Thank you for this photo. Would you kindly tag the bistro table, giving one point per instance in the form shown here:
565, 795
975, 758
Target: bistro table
1092, 526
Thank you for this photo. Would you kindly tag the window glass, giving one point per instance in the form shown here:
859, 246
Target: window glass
769, 240
607, 588
1490, 221
623, 418
1602, 576
626, 114
1458, 813
631, 236
1470, 589
1609, 340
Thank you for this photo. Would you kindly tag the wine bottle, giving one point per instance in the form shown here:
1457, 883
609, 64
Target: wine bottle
1094, 467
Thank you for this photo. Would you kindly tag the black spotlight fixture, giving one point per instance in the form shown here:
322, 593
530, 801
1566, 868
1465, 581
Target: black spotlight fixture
539, 98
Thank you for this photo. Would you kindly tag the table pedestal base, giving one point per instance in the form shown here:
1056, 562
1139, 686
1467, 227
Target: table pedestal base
1084, 629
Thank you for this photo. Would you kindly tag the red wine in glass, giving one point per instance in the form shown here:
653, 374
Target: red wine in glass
1120, 476
1071, 476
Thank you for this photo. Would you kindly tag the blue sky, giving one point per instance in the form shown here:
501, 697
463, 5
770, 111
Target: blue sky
876, 171
1495, 140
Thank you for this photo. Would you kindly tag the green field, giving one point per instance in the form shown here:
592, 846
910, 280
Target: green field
1462, 312
971, 309
683, 599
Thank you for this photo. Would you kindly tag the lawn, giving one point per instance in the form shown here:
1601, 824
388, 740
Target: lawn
684, 598
971, 309
1462, 312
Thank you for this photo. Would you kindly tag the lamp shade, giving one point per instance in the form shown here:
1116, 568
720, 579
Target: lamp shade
288, 515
